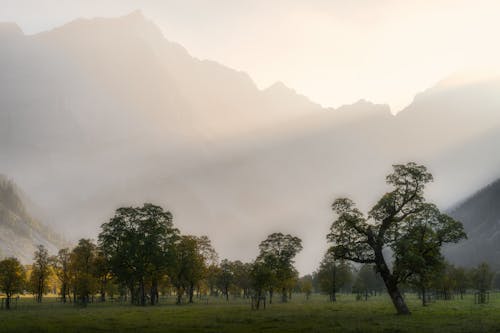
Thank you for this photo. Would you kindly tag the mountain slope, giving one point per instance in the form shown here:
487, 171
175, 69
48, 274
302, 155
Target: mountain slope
19, 232
107, 112
480, 215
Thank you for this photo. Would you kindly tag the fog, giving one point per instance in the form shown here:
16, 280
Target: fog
105, 112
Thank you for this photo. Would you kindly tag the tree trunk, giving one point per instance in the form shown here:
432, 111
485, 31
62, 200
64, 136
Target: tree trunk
7, 302
142, 293
103, 289
179, 296
391, 284
284, 295
63, 293
154, 292
424, 301
191, 292
271, 296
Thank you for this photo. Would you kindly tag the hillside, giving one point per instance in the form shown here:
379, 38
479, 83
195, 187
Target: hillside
19, 232
480, 215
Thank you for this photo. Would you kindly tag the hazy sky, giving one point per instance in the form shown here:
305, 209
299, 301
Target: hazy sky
335, 52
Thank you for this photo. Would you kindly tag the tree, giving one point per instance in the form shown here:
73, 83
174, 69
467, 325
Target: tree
482, 278
82, 267
461, 278
226, 277
333, 275
368, 281
212, 276
261, 277
278, 251
40, 272
188, 267
242, 278
61, 264
12, 278
362, 239
450, 279
306, 285
101, 272
417, 252
138, 245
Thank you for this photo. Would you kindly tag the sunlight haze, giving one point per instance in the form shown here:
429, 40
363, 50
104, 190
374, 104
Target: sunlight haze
334, 52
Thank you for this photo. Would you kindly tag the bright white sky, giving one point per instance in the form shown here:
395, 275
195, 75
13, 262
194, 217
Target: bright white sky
333, 51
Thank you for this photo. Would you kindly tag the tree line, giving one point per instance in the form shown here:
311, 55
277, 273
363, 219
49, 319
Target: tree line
139, 254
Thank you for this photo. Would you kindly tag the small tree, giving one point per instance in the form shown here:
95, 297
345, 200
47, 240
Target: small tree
306, 285
242, 277
363, 239
225, 277
101, 271
61, 264
40, 272
278, 251
333, 275
482, 279
12, 278
261, 277
367, 281
189, 266
82, 266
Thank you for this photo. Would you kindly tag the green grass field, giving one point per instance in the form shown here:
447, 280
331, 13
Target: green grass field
299, 315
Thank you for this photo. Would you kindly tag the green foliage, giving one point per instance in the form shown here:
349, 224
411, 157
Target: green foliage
482, 277
192, 257
262, 278
277, 252
12, 278
368, 280
400, 220
225, 277
417, 248
138, 243
61, 264
333, 275
40, 272
242, 276
82, 265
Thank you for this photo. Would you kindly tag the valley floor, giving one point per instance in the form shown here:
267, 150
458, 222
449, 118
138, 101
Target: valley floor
299, 315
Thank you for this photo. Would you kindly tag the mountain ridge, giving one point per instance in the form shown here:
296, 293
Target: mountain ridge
103, 118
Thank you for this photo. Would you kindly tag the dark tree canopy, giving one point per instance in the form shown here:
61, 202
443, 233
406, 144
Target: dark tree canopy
417, 248
278, 251
40, 272
389, 224
138, 244
82, 267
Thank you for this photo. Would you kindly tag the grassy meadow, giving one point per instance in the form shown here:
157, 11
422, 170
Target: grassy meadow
299, 315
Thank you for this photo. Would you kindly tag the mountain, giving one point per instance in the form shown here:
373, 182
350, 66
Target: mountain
480, 215
107, 112
20, 233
